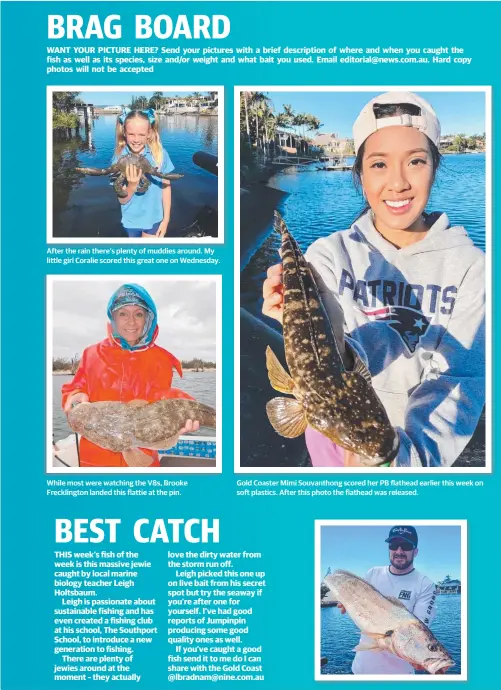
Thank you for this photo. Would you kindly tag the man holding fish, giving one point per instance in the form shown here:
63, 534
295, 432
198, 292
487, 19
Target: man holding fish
383, 323
393, 607
401, 580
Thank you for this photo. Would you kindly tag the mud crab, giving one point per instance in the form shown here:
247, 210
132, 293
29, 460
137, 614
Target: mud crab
117, 173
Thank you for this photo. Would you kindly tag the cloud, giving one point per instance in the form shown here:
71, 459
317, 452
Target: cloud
186, 314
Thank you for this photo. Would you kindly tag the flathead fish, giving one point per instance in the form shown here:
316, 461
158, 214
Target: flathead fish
119, 426
389, 626
339, 403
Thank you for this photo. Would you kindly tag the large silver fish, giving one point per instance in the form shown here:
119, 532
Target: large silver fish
341, 404
387, 623
119, 426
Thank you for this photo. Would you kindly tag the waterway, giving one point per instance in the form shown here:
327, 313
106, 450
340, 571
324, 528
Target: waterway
339, 635
322, 202
87, 206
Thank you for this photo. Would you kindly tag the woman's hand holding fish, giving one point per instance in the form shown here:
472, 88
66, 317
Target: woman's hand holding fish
190, 425
273, 293
74, 399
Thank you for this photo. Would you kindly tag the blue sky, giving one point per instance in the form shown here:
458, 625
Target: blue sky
359, 548
457, 112
120, 97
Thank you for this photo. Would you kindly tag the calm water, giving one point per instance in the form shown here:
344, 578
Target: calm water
339, 635
323, 202
201, 385
86, 206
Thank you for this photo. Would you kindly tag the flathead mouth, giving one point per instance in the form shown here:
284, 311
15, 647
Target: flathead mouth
435, 665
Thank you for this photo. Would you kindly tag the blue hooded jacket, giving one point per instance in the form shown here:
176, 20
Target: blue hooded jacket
131, 293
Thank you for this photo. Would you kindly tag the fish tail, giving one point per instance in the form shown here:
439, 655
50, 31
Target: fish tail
206, 415
279, 223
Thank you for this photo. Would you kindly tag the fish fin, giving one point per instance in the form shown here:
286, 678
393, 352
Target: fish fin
286, 416
361, 368
377, 636
133, 459
369, 646
279, 378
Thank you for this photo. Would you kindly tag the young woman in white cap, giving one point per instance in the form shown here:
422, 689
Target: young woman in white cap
411, 289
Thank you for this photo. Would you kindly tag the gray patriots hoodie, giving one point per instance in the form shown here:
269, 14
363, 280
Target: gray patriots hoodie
416, 315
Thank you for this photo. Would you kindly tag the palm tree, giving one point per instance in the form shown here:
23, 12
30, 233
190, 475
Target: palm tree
139, 103
245, 97
156, 100
257, 110
287, 119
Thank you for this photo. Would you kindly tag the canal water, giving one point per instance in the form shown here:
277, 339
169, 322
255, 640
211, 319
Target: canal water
323, 202
87, 206
339, 635
200, 384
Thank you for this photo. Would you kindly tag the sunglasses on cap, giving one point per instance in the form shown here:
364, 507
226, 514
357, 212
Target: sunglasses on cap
405, 546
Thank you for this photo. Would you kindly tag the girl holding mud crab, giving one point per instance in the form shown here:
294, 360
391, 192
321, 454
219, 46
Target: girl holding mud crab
404, 290
145, 213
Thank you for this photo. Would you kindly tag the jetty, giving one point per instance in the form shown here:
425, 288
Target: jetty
336, 165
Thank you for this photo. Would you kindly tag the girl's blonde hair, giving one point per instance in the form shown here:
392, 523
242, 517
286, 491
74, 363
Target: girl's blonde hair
154, 141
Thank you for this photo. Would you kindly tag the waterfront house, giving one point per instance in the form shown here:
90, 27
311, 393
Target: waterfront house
448, 586
330, 143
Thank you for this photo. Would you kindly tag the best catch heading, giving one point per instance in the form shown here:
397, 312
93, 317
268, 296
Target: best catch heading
170, 531
162, 26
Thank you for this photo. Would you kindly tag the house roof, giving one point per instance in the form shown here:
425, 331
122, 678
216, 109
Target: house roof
449, 583
325, 139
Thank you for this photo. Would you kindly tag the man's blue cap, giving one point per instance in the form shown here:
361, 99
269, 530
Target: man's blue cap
404, 532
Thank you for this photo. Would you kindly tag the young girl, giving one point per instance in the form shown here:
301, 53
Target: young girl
412, 289
144, 214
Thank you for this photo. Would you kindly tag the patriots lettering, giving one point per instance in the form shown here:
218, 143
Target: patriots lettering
374, 293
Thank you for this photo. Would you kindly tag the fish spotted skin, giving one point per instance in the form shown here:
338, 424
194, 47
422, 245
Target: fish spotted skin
340, 404
388, 624
119, 426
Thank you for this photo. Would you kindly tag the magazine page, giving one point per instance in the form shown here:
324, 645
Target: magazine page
248, 356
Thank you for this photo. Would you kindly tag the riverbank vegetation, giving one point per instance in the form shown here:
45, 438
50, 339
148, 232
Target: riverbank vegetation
158, 101
264, 132
461, 143
63, 107
69, 365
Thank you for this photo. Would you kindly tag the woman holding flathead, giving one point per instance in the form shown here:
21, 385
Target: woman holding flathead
411, 288
126, 366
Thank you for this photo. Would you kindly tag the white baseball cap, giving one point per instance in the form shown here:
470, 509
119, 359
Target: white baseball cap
426, 121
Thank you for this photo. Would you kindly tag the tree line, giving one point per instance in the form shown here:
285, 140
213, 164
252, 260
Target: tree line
259, 123
71, 364
65, 102
158, 100
461, 142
